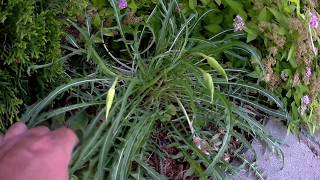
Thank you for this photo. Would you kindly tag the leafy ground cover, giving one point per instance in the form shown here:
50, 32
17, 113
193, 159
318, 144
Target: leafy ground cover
165, 89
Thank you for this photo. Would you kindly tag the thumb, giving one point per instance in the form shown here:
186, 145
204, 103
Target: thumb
65, 138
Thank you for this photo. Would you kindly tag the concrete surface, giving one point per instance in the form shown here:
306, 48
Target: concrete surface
301, 157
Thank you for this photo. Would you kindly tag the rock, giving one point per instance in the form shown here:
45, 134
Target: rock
301, 160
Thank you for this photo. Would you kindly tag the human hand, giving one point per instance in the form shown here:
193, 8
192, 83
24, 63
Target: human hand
36, 153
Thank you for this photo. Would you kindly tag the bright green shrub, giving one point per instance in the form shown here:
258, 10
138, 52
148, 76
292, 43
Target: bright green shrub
30, 38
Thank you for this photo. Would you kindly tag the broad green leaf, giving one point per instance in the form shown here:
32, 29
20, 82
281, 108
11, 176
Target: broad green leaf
133, 6
99, 3
107, 32
79, 121
280, 17
297, 3
293, 62
289, 93
96, 22
213, 18
171, 109
237, 7
254, 74
252, 34
193, 4
205, 2
213, 28
264, 15
291, 52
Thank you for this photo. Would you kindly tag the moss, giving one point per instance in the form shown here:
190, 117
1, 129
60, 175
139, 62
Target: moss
30, 37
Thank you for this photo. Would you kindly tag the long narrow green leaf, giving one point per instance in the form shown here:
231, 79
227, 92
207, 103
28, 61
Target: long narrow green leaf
133, 143
62, 110
256, 88
31, 114
154, 174
101, 64
119, 23
227, 136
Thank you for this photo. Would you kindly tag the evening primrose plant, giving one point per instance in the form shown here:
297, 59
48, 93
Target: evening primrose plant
165, 81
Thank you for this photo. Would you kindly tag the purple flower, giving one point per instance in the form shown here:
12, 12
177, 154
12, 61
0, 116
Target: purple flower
309, 73
239, 24
314, 21
306, 100
123, 4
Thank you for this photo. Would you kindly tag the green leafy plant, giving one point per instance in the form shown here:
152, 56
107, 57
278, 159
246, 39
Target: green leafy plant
288, 42
290, 55
164, 80
31, 65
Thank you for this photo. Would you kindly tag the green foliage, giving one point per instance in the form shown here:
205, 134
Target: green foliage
31, 34
165, 79
289, 46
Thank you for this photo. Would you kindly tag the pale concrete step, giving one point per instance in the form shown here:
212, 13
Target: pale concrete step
301, 157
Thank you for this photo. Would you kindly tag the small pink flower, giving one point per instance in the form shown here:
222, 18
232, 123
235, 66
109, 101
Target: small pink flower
123, 4
239, 24
306, 100
314, 21
309, 73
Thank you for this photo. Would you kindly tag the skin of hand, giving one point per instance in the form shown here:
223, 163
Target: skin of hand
36, 153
